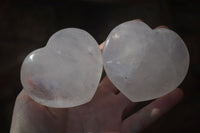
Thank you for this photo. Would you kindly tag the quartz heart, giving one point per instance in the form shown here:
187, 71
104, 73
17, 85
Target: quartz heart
143, 63
64, 73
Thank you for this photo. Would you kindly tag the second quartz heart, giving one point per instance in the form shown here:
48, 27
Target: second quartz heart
143, 63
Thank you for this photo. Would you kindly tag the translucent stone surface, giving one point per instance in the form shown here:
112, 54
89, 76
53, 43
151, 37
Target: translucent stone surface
143, 63
64, 73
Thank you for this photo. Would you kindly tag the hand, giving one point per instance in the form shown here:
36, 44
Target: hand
103, 114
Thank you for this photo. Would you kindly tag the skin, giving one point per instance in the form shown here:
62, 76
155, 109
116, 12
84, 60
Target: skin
103, 114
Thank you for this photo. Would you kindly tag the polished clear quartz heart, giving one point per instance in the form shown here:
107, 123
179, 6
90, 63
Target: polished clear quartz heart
64, 73
143, 63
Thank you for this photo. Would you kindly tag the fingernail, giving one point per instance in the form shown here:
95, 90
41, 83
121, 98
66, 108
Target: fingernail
162, 26
138, 20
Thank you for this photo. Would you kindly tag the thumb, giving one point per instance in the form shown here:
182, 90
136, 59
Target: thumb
31, 117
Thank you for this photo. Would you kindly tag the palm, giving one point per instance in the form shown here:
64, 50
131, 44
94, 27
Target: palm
103, 113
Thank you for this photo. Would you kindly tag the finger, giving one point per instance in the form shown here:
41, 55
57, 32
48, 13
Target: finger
125, 104
128, 110
162, 26
28, 115
107, 86
152, 112
138, 20
101, 46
